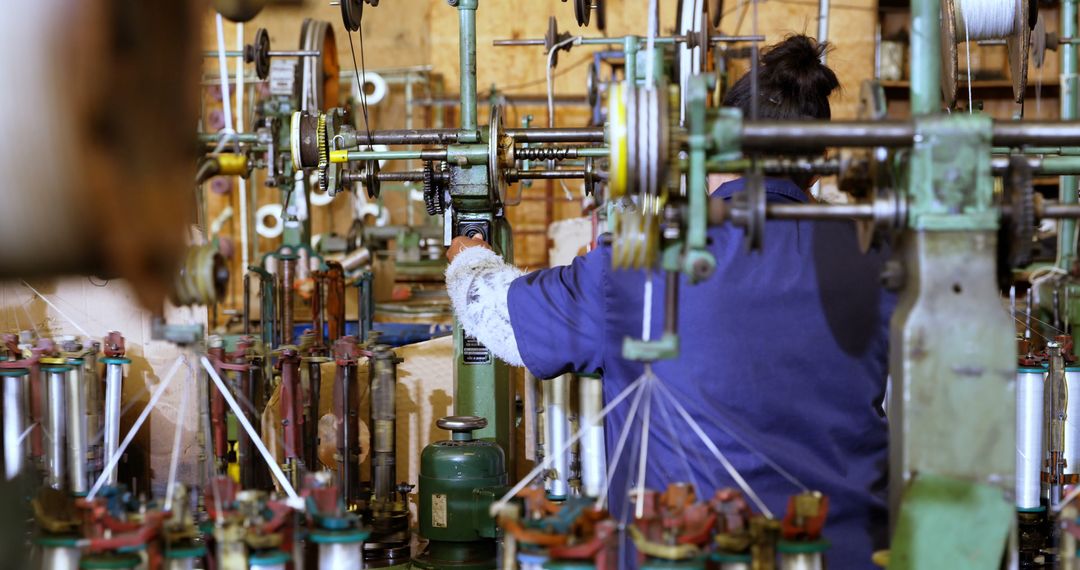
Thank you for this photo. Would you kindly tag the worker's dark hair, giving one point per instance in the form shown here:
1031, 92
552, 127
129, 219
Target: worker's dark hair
792, 82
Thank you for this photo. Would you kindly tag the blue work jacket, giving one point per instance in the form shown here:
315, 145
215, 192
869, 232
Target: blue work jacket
783, 355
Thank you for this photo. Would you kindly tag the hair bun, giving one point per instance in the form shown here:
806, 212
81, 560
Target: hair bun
793, 67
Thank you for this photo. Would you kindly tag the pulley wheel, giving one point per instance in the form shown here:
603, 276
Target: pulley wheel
352, 13
497, 148
319, 73
261, 54
582, 11
716, 12
371, 178
601, 14
304, 140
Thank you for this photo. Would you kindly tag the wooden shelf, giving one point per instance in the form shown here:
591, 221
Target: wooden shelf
981, 89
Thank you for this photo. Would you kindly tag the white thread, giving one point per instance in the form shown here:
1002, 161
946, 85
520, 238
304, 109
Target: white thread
986, 19
115, 459
255, 439
223, 70
544, 465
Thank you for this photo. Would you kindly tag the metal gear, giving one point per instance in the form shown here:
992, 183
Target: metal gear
433, 192
1017, 233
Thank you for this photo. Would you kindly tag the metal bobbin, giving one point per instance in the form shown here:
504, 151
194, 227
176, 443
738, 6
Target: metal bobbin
202, 277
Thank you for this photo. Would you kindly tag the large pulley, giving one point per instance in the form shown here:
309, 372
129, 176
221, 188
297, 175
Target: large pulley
639, 155
321, 141
317, 85
639, 152
500, 152
1016, 235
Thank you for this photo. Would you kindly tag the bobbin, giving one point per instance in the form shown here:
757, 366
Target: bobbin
952, 34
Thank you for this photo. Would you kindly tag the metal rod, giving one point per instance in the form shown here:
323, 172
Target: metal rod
556, 393
383, 418
429, 154
467, 63
781, 211
288, 271
55, 452
513, 175
1070, 110
271, 53
618, 40
14, 425
792, 137
114, 387
76, 429
557, 135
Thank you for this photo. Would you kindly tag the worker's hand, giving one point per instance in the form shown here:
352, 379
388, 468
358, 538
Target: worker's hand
461, 243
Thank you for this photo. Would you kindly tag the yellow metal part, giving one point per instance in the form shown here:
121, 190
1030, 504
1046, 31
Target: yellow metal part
337, 156
53, 361
617, 153
664, 551
232, 164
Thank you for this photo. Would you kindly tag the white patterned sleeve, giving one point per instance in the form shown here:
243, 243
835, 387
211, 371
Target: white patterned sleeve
478, 281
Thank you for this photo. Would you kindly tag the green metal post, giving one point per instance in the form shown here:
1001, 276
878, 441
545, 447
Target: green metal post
467, 55
630, 49
1070, 91
925, 57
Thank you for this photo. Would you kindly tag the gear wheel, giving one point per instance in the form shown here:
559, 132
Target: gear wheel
433, 192
1017, 234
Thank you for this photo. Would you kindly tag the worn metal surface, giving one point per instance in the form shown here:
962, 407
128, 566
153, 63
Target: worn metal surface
952, 411
950, 523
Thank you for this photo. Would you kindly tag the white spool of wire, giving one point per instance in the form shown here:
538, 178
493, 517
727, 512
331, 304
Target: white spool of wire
378, 88
266, 213
1029, 437
1072, 420
973, 20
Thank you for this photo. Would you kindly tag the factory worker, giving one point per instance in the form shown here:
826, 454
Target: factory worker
785, 347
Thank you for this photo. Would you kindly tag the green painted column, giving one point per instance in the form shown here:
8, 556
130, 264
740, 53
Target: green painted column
1070, 91
467, 62
925, 60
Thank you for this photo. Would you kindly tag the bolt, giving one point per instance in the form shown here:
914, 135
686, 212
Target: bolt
892, 275
702, 268
462, 161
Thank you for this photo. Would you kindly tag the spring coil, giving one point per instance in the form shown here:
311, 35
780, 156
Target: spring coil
635, 235
324, 155
545, 153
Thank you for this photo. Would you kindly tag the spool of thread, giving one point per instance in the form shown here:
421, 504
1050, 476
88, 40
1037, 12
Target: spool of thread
336, 555
265, 213
378, 88
320, 197
1072, 420
986, 19
1029, 437
972, 20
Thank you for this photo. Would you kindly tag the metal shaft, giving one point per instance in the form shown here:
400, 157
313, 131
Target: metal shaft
114, 387
14, 424
55, 450
467, 63
245, 451
383, 418
1055, 407
288, 277
76, 431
